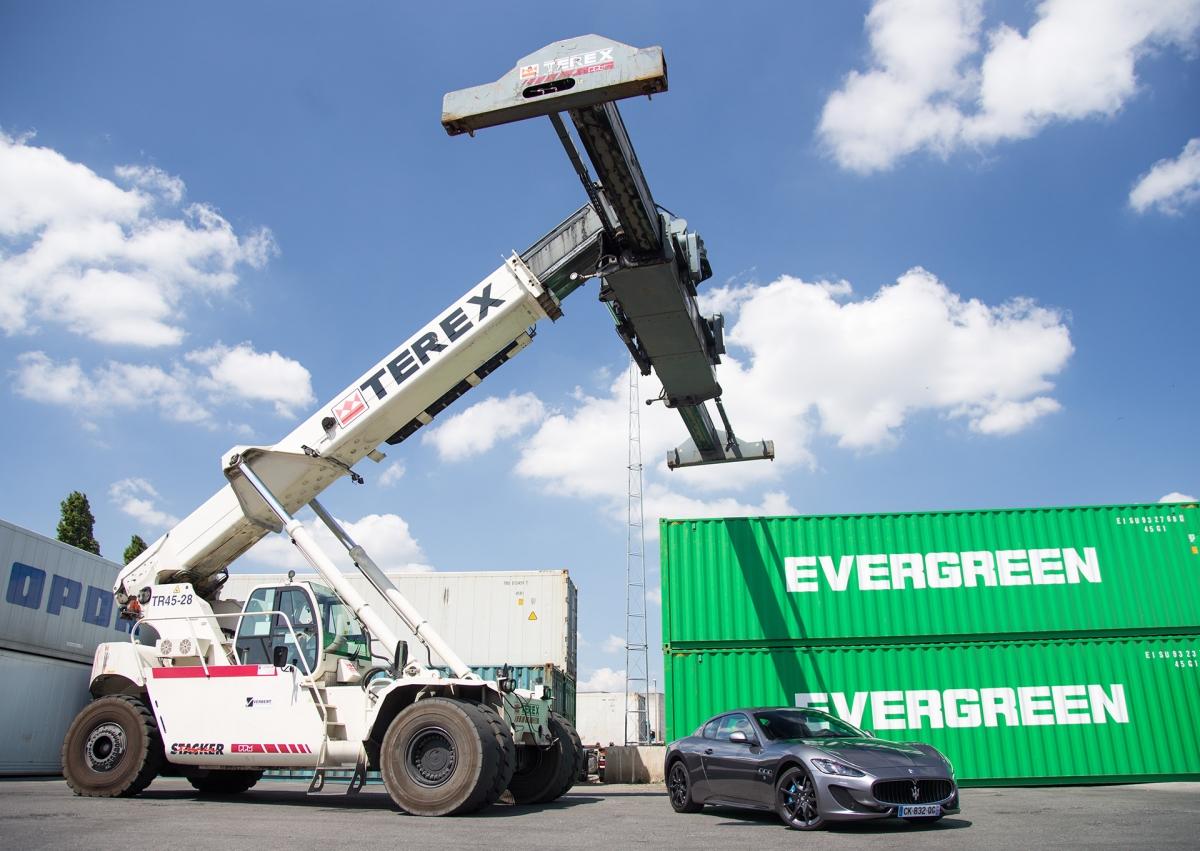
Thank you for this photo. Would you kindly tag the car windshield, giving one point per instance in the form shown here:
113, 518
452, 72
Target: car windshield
804, 724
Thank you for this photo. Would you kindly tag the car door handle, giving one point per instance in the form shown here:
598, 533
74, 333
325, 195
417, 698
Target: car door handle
708, 750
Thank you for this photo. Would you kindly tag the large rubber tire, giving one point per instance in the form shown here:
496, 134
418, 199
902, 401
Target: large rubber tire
224, 781
544, 774
796, 801
444, 757
679, 788
112, 749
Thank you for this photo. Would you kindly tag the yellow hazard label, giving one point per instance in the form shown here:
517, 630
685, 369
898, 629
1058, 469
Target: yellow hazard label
533, 616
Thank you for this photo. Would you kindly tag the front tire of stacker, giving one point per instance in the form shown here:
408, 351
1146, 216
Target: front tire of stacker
222, 781
443, 757
113, 748
545, 774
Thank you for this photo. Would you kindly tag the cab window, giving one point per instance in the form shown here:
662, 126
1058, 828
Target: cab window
710, 729
260, 633
345, 637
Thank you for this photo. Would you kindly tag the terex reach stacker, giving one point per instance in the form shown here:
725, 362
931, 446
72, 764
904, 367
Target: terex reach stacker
220, 690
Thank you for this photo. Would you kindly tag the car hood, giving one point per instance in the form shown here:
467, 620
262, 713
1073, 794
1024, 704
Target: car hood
874, 754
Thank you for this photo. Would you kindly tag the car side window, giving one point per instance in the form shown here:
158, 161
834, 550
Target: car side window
735, 722
710, 729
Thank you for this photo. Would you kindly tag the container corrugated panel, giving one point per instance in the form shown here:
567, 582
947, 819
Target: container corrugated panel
58, 600
1088, 709
525, 618
956, 575
603, 715
41, 697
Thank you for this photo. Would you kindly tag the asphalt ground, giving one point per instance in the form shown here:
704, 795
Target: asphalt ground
44, 814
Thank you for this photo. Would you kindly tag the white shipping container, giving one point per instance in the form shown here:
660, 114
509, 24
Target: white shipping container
41, 696
523, 618
600, 716
58, 600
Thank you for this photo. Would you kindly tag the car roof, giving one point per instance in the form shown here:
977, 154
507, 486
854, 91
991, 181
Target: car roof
750, 709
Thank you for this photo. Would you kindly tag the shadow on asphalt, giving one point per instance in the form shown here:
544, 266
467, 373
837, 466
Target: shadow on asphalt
364, 801
761, 818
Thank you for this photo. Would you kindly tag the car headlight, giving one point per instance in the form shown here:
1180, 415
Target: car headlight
832, 766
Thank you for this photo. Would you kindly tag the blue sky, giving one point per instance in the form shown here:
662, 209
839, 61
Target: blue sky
955, 242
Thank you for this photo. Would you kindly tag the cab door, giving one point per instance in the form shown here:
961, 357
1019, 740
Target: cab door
295, 627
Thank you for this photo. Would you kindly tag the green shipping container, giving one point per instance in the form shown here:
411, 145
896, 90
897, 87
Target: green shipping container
1058, 711
957, 575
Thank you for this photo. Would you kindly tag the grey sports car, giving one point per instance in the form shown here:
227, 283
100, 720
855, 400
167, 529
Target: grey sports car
809, 767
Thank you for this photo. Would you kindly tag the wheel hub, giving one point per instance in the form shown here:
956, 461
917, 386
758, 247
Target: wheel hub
104, 747
679, 785
431, 757
800, 801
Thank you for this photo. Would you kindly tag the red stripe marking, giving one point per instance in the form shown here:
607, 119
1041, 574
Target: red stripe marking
193, 672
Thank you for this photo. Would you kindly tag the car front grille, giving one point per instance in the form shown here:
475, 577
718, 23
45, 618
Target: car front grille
928, 791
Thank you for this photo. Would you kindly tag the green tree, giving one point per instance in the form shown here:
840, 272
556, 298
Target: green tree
75, 527
136, 547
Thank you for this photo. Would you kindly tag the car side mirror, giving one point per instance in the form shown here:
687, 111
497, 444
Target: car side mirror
279, 655
739, 738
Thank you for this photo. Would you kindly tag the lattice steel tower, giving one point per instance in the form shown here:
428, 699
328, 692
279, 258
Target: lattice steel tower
637, 669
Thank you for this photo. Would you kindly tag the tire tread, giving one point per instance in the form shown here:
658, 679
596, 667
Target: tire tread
151, 758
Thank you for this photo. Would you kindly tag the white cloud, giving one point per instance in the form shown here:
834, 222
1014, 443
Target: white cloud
153, 179
908, 99
808, 359
654, 596
933, 84
1176, 496
604, 679
393, 474
1012, 416
386, 538
480, 427
613, 644
1170, 185
179, 393
139, 499
242, 373
109, 388
110, 264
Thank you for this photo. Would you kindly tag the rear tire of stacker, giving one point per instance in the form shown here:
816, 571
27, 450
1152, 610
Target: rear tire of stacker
444, 757
223, 781
113, 748
545, 774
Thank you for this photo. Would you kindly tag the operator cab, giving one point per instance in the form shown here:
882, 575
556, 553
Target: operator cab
306, 626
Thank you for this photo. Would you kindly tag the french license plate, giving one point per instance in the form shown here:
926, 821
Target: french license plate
910, 810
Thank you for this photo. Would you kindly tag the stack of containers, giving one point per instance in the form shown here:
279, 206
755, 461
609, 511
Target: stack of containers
56, 607
1030, 645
